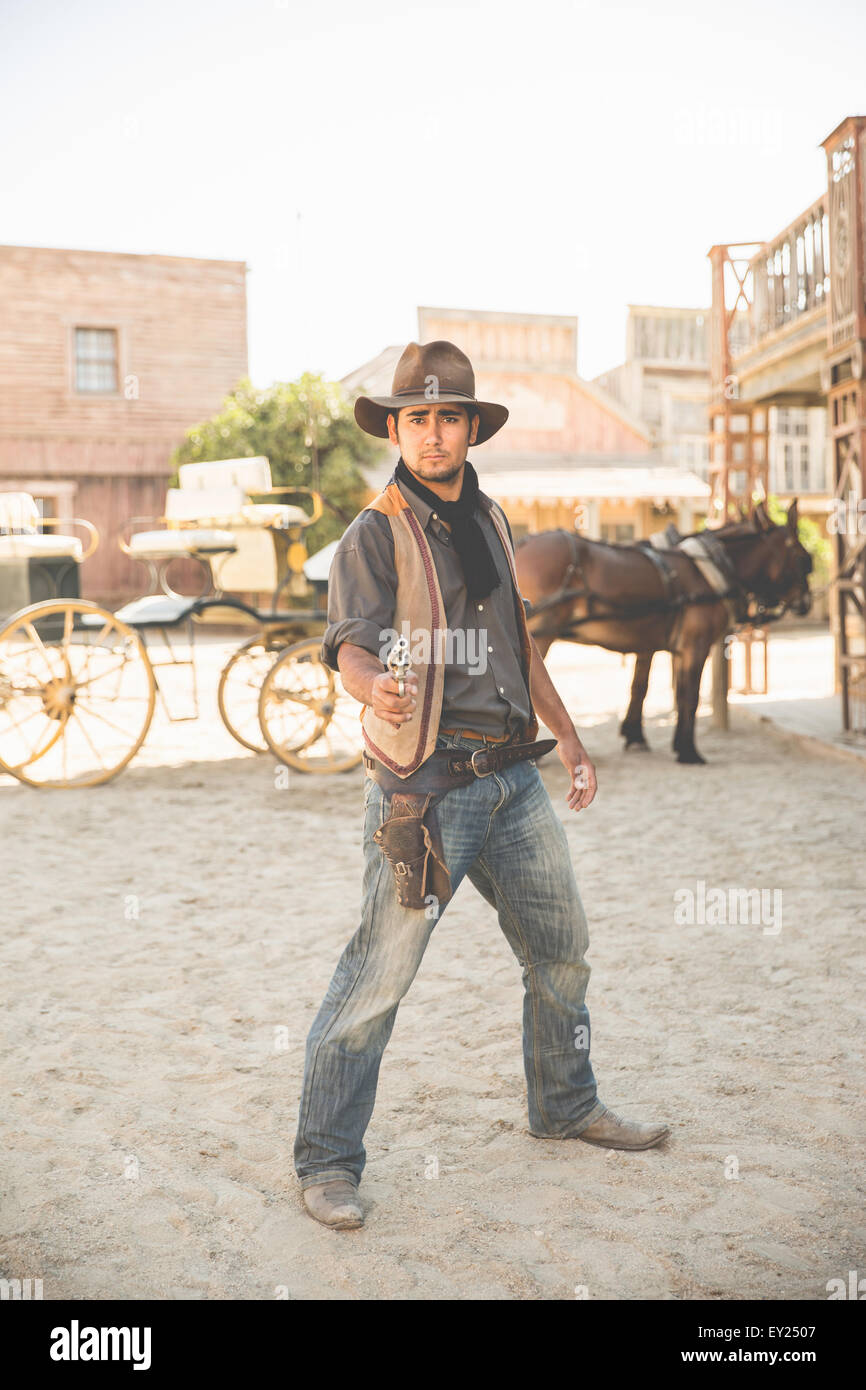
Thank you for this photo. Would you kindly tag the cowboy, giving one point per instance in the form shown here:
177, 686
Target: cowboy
452, 786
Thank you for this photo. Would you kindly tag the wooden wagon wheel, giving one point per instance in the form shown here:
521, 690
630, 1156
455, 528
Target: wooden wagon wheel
77, 694
307, 719
240, 686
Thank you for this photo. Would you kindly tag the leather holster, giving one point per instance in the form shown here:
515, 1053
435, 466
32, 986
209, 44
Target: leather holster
411, 842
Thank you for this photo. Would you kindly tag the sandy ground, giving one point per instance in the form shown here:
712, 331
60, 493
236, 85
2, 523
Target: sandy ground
168, 939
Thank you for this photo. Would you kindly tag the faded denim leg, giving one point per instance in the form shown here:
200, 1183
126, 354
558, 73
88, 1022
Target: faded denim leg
525, 872
352, 1028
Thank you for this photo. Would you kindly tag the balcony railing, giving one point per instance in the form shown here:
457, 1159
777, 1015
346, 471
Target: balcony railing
787, 279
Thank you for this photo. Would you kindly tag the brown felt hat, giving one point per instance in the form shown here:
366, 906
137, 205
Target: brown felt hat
432, 373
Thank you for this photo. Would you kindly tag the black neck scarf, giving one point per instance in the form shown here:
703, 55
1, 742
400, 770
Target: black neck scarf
479, 570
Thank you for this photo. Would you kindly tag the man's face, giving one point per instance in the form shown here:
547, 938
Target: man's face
433, 439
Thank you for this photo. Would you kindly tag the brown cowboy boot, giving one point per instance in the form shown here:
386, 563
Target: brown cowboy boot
610, 1131
335, 1204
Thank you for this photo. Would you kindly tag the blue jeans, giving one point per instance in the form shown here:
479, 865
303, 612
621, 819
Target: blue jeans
503, 833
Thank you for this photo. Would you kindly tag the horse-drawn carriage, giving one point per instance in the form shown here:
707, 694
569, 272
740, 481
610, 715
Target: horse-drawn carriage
79, 684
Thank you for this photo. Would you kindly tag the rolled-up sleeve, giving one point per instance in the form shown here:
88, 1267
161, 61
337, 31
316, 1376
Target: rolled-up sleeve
362, 588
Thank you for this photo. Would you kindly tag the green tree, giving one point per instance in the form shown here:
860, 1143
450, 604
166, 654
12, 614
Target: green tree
307, 430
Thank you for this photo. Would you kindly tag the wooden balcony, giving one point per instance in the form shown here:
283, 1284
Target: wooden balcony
778, 337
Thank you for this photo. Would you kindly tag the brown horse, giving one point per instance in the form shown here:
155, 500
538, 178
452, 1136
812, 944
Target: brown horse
631, 598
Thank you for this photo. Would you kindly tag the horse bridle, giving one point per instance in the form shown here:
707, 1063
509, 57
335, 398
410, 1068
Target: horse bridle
771, 610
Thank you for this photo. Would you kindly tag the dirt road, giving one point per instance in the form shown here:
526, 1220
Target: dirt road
168, 939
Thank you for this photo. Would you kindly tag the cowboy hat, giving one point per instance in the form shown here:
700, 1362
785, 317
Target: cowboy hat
435, 373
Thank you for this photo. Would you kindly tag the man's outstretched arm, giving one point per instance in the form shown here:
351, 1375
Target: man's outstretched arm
572, 753
367, 678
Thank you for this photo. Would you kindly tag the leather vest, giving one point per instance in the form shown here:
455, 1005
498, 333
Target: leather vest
419, 607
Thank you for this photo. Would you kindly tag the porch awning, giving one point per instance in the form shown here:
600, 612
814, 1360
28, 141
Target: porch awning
589, 484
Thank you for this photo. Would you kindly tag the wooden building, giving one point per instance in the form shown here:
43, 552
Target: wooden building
106, 359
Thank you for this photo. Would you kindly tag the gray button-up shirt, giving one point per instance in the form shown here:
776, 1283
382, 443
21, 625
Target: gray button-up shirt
484, 685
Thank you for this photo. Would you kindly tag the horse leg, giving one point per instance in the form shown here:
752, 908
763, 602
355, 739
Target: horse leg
631, 727
690, 666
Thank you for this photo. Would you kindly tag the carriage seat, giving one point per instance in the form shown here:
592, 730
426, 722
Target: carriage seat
213, 509
216, 496
210, 517
251, 476
20, 537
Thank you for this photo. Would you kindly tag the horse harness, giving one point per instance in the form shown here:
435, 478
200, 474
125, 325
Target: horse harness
705, 551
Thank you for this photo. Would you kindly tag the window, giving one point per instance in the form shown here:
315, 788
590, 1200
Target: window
52, 499
792, 420
652, 407
96, 360
621, 533
789, 468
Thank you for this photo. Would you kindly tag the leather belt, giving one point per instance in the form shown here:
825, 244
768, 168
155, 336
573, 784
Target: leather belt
455, 767
482, 738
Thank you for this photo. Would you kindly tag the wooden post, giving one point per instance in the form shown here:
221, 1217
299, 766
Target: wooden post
721, 678
843, 379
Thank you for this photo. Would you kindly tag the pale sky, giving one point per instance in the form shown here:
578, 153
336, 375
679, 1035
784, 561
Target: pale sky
553, 157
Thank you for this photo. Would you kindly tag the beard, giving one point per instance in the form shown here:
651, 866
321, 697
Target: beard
431, 470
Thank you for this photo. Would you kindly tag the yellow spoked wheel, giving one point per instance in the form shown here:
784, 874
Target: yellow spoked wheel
77, 694
307, 719
241, 685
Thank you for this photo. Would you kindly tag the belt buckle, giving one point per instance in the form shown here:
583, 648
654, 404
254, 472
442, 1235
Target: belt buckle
485, 750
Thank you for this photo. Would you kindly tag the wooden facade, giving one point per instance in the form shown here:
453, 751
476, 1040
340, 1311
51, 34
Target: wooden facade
789, 330
106, 359
570, 454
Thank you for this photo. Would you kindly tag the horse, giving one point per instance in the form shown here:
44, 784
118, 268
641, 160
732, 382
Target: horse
635, 598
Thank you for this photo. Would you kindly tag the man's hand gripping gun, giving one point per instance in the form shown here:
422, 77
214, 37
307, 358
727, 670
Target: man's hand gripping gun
399, 664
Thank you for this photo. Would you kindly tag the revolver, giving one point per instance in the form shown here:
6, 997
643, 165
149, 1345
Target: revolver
399, 662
